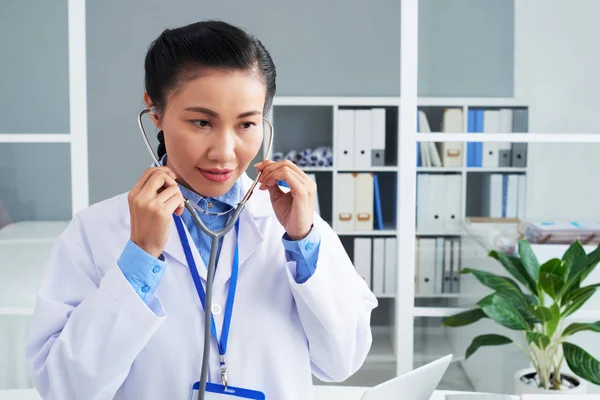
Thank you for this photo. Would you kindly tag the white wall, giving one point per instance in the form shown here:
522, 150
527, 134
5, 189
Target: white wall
556, 70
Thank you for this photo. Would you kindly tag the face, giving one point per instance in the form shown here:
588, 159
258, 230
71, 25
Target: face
213, 128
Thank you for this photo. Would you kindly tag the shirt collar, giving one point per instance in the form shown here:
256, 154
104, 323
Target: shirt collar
231, 198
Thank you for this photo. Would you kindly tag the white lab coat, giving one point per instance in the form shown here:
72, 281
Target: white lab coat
93, 338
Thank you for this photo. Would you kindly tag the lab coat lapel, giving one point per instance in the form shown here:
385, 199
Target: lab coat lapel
174, 249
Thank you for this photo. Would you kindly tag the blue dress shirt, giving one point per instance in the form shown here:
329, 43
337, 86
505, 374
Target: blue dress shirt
144, 271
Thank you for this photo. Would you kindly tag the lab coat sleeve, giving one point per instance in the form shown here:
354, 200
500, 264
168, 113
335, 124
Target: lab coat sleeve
87, 329
334, 306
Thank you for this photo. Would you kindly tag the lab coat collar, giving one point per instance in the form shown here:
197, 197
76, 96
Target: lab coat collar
258, 207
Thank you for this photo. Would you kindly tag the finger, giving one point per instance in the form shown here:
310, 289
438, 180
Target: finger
156, 182
148, 174
267, 176
174, 205
294, 181
170, 191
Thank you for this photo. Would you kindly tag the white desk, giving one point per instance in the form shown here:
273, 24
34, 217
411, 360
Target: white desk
322, 393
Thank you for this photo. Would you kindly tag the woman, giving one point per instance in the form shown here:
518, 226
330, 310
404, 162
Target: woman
118, 314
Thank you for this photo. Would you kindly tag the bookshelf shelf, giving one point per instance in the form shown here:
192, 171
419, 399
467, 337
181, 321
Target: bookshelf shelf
35, 138
368, 233
369, 169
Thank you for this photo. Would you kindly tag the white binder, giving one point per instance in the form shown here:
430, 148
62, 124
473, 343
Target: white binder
522, 199
363, 206
452, 210
378, 265
491, 124
362, 138
496, 185
344, 203
362, 258
390, 265
451, 152
504, 148
344, 139
512, 196
377, 137
430, 204
426, 266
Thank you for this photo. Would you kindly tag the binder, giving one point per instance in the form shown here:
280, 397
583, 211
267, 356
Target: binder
491, 124
471, 128
456, 264
519, 155
520, 120
362, 139
344, 202
447, 277
430, 205
512, 196
451, 152
362, 258
377, 200
344, 142
390, 265
378, 265
439, 265
426, 266
363, 203
378, 137
522, 192
495, 195
452, 195
504, 148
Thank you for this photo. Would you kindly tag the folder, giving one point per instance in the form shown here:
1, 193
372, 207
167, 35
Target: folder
447, 274
377, 200
390, 265
344, 139
452, 194
471, 146
362, 139
451, 152
363, 203
439, 265
491, 124
519, 155
495, 189
521, 201
426, 266
362, 258
344, 202
378, 137
378, 265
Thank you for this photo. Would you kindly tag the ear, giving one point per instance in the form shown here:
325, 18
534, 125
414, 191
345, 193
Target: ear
154, 117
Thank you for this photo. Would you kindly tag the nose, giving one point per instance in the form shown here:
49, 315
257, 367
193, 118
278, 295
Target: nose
222, 146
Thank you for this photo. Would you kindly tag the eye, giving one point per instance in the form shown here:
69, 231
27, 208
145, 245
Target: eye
201, 123
247, 125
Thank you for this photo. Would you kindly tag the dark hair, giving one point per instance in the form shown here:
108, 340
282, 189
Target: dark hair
177, 54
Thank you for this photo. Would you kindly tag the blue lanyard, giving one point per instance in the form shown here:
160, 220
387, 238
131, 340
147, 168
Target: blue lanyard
200, 289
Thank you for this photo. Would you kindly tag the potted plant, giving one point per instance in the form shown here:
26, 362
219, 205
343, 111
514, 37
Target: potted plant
537, 307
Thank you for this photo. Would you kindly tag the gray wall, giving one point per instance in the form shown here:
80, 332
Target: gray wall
466, 48
337, 48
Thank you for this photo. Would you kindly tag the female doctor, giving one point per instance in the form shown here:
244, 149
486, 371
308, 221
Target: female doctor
118, 315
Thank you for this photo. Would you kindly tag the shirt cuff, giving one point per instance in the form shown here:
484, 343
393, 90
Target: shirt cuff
141, 270
305, 252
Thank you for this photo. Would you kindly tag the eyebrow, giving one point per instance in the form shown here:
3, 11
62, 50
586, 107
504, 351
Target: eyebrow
216, 114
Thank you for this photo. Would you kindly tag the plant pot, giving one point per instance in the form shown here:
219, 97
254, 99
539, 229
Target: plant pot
578, 386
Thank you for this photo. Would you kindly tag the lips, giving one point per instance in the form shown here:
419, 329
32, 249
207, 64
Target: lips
216, 175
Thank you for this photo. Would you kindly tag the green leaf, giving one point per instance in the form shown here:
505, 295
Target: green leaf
574, 255
577, 327
551, 276
486, 340
576, 292
580, 271
582, 363
514, 266
532, 300
498, 283
578, 301
553, 322
542, 341
464, 318
543, 313
529, 260
503, 312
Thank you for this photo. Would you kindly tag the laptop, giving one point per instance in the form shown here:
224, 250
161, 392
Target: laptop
418, 384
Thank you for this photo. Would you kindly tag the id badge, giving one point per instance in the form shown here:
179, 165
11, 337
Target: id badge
219, 392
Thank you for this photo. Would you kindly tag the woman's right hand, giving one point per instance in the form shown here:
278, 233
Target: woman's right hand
152, 202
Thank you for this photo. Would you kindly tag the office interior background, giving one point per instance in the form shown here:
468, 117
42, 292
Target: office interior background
420, 76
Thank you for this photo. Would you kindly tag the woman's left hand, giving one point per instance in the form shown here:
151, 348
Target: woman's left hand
294, 209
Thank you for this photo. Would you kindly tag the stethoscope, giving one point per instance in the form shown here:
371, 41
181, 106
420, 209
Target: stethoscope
214, 236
